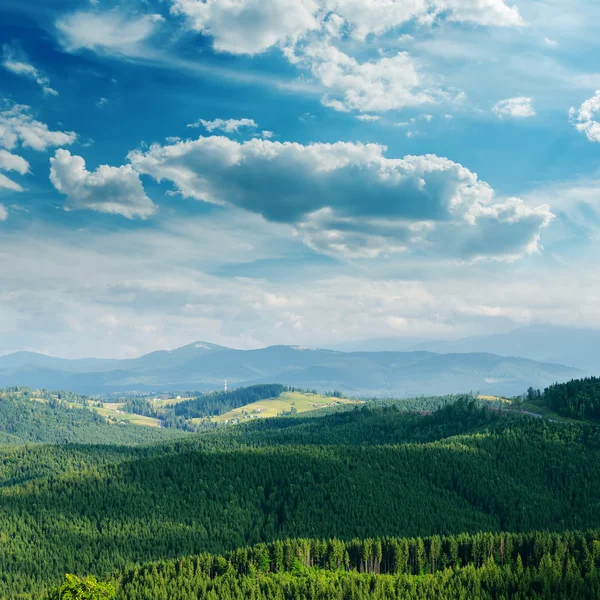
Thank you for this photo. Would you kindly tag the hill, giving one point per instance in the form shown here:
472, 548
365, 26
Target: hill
203, 366
577, 399
28, 416
368, 472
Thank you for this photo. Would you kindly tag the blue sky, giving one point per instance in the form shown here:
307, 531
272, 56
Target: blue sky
251, 172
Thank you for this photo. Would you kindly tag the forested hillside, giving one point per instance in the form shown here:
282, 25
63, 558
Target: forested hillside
218, 403
363, 473
61, 417
483, 566
579, 398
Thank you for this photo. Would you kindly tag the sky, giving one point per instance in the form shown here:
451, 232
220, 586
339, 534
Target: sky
258, 172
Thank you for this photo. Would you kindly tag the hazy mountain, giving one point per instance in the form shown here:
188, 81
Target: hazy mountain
204, 366
579, 348
387, 344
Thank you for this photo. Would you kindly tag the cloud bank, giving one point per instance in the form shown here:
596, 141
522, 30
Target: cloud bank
349, 198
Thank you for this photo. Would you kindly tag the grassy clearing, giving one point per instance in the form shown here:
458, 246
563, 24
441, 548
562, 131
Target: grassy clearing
494, 399
274, 407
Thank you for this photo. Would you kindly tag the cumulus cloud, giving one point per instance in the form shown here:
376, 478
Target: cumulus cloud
311, 34
349, 198
13, 162
520, 107
379, 85
254, 26
114, 190
17, 126
17, 63
251, 26
110, 32
585, 118
227, 125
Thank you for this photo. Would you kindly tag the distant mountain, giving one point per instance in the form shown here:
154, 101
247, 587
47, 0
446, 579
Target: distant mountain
579, 348
204, 366
387, 344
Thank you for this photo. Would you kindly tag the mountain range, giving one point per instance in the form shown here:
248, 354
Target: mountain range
204, 366
579, 348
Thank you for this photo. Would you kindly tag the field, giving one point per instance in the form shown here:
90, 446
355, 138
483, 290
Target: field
274, 407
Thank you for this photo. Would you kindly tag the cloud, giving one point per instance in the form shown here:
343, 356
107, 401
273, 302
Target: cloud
9, 184
101, 102
584, 118
3, 212
114, 190
383, 84
368, 117
254, 26
17, 126
314, 35
517, 108
110, 32
16, 63
349, 198
227, 125
550, 43
13, 162
251, 26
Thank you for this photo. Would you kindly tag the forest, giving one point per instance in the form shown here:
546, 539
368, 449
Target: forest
218, 403
482, 566
371, 471
62, 417
579, 398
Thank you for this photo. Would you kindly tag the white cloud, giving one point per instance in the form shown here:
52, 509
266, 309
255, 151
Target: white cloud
17, 126
426, 203
101, 102
267, 134
313, 34
585, 118
254, 26
16, 63
110, 32
519, 107
13, 162
3, 212
114, 190
386, 83
550, 43
368, 117
250, 26
9, 184
227, 125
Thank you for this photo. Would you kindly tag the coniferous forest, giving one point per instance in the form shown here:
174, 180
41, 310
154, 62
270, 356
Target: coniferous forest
367, 502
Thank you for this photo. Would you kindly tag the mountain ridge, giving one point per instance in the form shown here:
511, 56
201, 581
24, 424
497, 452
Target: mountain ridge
203, 366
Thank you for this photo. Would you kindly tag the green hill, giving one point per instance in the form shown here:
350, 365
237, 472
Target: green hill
362, 473
28, 416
